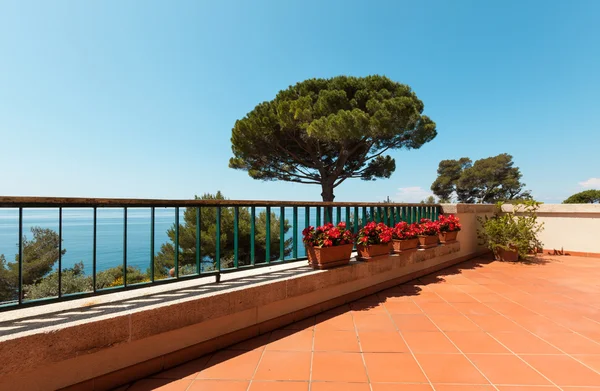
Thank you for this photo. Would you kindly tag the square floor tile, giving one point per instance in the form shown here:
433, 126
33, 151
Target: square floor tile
563, 370
428, 342
336, 340
334, 322
475, 342
591, 360
454, 323
539, 325
336, 386
305, 324
438, 308
414, 323
393, 367
507, 369
572, 343
286, 340
338, 367
231, 365
403, 308
253, 343
463, 387
494, 323
278, 386
450, 368
218, 385
368, 306
474, 309
401, 387
276, 365
373, 322
382, 341
524, 343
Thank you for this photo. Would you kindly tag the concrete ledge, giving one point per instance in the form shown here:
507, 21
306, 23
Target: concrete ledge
99, 353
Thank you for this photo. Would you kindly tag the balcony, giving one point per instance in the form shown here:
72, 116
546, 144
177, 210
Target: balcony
444, 318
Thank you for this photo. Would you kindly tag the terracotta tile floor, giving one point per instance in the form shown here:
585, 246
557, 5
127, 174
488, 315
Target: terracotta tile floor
481, 325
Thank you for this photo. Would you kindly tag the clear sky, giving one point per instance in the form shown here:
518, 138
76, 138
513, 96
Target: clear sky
138, 98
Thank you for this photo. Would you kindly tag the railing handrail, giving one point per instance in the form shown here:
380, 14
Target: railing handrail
81, 202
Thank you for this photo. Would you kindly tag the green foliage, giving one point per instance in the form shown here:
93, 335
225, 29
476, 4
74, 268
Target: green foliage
164, 260
324, 131
515, 230
428, 200
487, 181
39, 256
584, 197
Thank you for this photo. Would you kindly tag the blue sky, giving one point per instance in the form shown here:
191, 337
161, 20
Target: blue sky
137, 99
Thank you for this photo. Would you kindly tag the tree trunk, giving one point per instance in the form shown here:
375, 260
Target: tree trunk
327, 191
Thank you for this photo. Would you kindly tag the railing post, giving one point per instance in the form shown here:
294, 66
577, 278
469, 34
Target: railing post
125, 246
268, 235
20, 282
236, 216
59, 252
282, 233
198, 241
94, 249
218, 243
295, 232
177, 242
152, 234
252, 234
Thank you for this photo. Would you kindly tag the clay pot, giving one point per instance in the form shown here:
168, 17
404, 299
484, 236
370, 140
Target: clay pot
446, 237
405, 244
428, 241
507, 255
328, 257
365, 253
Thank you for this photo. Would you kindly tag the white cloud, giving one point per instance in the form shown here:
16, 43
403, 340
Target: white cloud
412, 194
592, 182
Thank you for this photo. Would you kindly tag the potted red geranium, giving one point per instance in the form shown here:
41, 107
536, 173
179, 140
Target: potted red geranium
328, 245
405, 236
428, 234
448, 227
373, 239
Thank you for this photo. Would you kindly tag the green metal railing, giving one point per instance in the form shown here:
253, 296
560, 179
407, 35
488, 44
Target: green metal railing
281, 221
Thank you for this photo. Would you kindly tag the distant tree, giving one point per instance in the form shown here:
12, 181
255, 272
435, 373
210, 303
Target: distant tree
486, 181
165, 259
39, 256
429, 200
324, 131
584, 197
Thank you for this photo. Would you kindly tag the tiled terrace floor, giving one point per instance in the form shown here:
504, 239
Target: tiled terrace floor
481, 325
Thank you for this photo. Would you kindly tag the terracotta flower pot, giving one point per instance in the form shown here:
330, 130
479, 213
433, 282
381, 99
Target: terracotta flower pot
428, 241
405, 244
507, 255
365, 253
446, 237
328, 257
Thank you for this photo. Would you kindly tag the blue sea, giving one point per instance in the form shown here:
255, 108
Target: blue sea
77, 233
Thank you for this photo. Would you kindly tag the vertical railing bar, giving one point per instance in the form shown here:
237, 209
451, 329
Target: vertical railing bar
125, 246
268, 235
59, 252
295, 232
338, 215
327, 218
198, 241
152, 228
20, 282
372, 214
282, 233
347, 217
236, 216
356, 220
94, 248
306, 216
318, 222
176, 242
252, 234
218, 240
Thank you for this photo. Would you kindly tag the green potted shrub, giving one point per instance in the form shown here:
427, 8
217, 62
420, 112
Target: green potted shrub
328, 245
511, 235
373, 239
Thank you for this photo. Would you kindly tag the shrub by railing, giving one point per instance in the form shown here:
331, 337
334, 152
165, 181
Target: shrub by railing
251, 234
